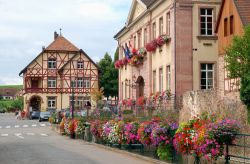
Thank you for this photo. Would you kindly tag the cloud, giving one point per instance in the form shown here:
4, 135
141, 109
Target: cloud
27, 25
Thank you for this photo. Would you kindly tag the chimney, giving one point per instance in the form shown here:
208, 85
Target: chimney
55, 35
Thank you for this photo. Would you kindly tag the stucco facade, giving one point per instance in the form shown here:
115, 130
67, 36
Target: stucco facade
176, 65
58, 71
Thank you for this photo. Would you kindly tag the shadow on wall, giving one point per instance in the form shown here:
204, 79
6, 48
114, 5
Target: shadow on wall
207, 101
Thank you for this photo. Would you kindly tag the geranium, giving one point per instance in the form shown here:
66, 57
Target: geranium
140, 101
151, 47
160, 41
134, 52
130, 102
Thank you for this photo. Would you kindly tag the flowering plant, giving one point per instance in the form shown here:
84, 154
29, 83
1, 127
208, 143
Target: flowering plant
142, 51
144, 132
107, 129
141, 101
130, 132
160, 41
151, 47
130, 102
96, 128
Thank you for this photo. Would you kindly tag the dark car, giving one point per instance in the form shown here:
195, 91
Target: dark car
44, 116
35, 115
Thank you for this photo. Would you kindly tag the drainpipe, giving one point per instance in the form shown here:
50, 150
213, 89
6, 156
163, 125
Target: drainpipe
175, 52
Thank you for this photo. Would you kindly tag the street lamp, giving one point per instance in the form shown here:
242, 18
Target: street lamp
73, 98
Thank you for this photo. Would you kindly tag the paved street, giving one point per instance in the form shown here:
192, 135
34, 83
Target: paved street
32, 142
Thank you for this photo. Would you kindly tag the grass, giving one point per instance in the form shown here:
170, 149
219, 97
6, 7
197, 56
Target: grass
11, 86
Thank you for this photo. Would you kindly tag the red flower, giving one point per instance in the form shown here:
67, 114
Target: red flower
151, 47
134, 51
160, 41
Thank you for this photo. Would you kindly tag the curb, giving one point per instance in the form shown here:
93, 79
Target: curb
148, 159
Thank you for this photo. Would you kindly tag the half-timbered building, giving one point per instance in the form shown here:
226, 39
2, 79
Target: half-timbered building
58, 71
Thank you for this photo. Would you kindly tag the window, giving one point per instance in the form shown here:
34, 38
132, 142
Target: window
154, 31
134, 41
52, 64
160, 80
139, 39
168, 78
231, 24
207, 76
145, 36
168, 24
51, 102
154, 81
225, 26
206, 21
80, 82
86, 83
80, 64
52, 82
161, 26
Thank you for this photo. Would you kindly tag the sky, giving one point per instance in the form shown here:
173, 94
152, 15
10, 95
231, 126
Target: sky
27, 25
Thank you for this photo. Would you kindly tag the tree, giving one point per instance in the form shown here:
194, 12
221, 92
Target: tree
108, 77
238, 64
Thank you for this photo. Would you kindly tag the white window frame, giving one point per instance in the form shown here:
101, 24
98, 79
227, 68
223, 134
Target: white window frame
52, 63
160, 79
206, 70
168, 77
86, 83
80, 82
206, 16
52, 102
80, 65
51, 82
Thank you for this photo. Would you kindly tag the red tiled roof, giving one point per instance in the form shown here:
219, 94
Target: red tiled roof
243, 7
62, 44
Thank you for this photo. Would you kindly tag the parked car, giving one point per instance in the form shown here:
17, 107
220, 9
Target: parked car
34, 115
44, 116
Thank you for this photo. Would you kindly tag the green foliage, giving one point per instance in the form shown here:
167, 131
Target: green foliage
10, 105
109, 76
238, 64
127, 112
165, 152
11, 86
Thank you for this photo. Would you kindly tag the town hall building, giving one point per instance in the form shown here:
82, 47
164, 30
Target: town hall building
168, 45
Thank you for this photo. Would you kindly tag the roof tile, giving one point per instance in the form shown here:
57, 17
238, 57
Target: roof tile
62, 44
243, 7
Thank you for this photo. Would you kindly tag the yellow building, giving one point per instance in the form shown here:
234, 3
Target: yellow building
55, 73
180, 44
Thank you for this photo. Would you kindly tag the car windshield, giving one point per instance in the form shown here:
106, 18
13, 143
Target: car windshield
45, 113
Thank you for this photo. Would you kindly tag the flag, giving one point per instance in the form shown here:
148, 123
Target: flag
127, 52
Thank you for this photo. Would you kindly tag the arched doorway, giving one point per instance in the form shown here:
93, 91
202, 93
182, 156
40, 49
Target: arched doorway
35, 103
140, 87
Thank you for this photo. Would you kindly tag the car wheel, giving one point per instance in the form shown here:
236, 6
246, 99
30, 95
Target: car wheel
40, 120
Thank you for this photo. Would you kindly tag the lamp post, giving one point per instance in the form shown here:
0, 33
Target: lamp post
73, 99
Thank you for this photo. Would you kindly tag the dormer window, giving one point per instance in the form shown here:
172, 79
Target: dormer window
52, 64
80, 65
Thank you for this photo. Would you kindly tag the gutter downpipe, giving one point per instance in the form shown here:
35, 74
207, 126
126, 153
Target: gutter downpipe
175, 97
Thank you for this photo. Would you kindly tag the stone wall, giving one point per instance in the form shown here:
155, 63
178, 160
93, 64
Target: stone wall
208, 101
